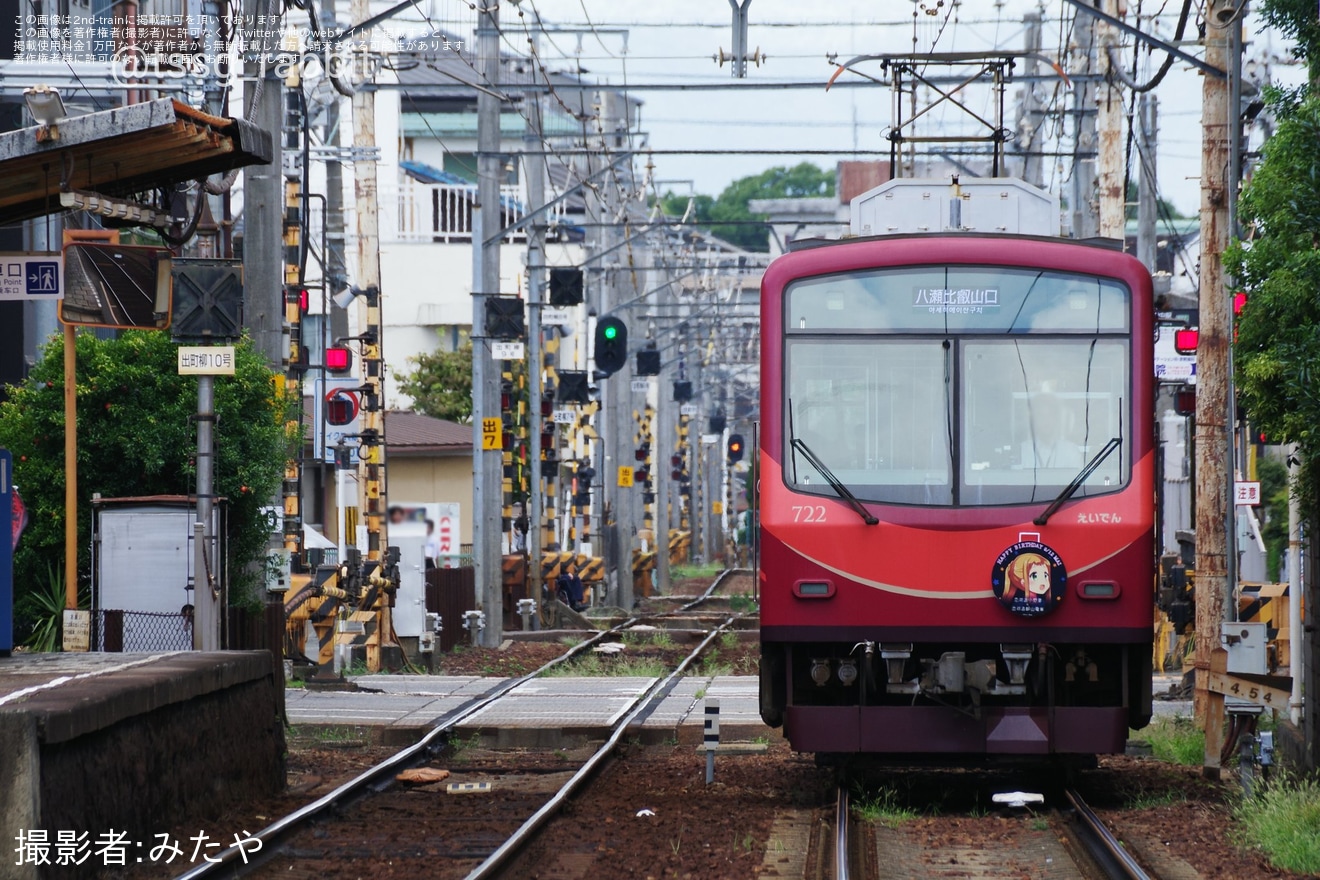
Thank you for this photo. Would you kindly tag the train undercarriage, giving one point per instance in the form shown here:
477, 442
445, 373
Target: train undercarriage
969, 698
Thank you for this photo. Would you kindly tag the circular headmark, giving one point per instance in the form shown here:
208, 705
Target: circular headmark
1029, 578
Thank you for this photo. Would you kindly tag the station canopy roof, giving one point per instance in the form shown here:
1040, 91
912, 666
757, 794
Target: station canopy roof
118, 152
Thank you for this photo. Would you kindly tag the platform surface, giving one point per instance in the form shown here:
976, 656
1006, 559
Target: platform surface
24, 674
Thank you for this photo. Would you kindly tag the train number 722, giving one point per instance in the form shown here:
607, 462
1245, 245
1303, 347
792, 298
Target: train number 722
808, 513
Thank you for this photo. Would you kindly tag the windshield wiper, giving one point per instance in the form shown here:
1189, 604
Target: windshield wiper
1071, 488
838, 487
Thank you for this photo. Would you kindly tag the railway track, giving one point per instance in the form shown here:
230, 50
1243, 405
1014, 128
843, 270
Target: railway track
368, 810
1102, 846
1069, 843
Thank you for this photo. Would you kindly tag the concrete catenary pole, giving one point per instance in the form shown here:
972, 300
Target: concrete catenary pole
263, 204
534, 175
1147, 207
1031, 119
486, 215
1109, 123
372, 450
1213, 443
1081, 201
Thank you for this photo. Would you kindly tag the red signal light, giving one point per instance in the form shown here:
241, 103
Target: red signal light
1239, 302
341, 407
1184, 341
1184, 402
338, 359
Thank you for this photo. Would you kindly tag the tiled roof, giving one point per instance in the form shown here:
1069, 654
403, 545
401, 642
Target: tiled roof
410, 433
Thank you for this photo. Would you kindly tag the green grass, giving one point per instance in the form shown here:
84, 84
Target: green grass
742, 603
662, 639
693, 571
336, 734
1283, 821
593, 665
459, 748
882, 806
1176, 741
1146, 799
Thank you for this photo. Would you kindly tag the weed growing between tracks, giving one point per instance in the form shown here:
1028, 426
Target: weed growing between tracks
882, 805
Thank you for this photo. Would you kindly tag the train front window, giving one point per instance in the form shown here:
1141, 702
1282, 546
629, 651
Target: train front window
879, 417
1034, 413
957, 385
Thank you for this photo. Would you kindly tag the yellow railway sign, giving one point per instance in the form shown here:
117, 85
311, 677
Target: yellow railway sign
492, 434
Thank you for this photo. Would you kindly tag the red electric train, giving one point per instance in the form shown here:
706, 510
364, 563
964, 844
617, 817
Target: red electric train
957, 496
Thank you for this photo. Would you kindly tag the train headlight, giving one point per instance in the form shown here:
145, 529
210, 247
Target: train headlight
820, 672
847, 671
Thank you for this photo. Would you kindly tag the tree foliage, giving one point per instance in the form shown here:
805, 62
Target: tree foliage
719, 214
137, 436
1277, 351
1297, 20
440, 384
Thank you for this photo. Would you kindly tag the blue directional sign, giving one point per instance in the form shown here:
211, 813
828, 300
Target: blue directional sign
31, 276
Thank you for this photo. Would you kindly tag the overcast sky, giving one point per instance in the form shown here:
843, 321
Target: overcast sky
665, 43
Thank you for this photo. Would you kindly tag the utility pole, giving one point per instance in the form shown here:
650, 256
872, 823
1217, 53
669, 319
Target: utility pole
1082, 196
378, 588
1030, 121
1147, 207
1109, 121
660, 474
487, 469
1213, 425
263, 207
534, 178
336, 272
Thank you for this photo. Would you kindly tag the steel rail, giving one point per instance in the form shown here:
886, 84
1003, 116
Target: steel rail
526, 831
1103, 846
710, 591
841, 833
233, 856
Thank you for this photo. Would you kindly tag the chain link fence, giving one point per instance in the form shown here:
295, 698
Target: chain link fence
117, 631
245, 630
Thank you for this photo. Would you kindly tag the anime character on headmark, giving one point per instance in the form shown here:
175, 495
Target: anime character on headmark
1029, 579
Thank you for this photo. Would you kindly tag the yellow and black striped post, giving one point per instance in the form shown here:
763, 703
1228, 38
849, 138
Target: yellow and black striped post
295, 365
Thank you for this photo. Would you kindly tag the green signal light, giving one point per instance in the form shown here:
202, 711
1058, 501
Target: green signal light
611, 332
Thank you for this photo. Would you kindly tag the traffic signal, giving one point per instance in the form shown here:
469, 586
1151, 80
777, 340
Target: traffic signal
504, 318
611, 351
682, 392
565, 286
341, 408
648, 362
716, 425
573, 387
338, 359
735, 448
